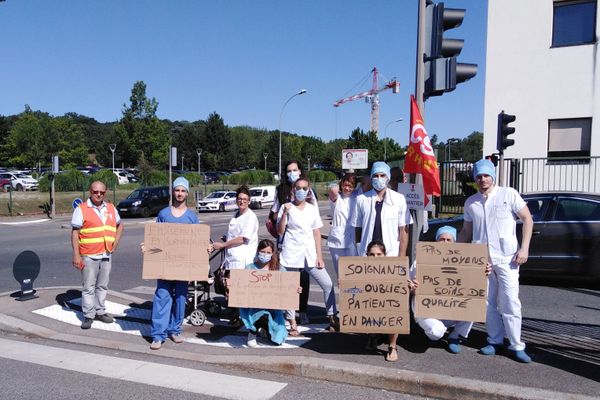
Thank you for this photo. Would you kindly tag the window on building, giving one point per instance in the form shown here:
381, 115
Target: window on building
569, 139
574, 22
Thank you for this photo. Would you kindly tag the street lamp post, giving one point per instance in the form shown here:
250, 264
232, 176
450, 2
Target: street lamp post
280, 116
199, 152
386, 137
113, 147
308, 158
182, 163
450, 141
265, 155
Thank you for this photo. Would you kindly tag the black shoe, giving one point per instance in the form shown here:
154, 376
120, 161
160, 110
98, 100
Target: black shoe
87, 323
107, 319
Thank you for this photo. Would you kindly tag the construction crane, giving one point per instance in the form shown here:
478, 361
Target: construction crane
372, 96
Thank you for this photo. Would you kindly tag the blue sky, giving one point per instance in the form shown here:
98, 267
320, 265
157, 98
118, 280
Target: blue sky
240, 58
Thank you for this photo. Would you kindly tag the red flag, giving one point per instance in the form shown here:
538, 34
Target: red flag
420, 158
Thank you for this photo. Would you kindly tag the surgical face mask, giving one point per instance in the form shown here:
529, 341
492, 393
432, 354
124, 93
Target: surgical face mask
300, 194
264, 257
379, 183
293, 176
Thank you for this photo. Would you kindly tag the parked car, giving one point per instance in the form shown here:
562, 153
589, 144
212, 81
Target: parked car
122, 178
210, 177
262, 196
145, 201
218, 201
20, 181
5, 184
566, 234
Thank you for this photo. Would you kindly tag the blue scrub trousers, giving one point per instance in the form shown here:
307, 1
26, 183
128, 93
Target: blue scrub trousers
168, 309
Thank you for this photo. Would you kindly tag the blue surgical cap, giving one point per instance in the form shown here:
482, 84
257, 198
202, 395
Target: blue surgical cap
484, 167
380, 167
446, 229
181, 181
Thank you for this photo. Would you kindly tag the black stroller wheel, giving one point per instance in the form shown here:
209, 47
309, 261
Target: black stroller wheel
197, 318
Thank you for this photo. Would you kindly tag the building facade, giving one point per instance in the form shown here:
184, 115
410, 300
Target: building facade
543, 66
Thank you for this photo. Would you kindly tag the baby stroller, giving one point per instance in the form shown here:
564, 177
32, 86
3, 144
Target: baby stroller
199, 304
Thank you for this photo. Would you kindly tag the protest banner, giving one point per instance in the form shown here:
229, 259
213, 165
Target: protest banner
176, 252
452, 281
264, 289
374, 295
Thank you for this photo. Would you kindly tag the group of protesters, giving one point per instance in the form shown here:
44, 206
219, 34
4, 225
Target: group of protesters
369, 218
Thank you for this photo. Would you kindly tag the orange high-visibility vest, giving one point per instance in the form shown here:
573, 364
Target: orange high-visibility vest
96, 237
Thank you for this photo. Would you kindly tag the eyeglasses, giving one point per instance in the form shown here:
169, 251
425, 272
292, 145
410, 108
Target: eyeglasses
98, 192
243, 199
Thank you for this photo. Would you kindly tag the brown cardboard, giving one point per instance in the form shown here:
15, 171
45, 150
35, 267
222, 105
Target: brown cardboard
176, 251
450, 308
452, 281
455, 254
264, 289
374, 295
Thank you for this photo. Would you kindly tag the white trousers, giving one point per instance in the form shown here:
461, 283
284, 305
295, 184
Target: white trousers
336, 253
435, 328
503, 318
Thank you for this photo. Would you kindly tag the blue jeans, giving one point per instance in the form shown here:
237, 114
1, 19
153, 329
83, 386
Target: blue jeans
168, 309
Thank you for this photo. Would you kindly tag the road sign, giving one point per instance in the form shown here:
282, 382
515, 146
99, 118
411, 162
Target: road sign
415, 196
355, 158
77, 202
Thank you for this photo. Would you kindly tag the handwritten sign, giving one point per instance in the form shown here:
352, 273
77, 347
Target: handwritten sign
272, 290
374, 294
176, 252
452, 281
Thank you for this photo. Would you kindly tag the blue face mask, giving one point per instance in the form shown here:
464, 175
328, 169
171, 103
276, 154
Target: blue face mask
264, 257
293, 176
379, 183
301, 194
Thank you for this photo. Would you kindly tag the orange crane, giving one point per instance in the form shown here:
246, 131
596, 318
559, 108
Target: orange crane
372, 96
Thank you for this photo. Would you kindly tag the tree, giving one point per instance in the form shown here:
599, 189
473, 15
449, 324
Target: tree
217, 142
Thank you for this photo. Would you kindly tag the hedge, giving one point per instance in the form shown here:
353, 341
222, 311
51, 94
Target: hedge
252, 177
318, 175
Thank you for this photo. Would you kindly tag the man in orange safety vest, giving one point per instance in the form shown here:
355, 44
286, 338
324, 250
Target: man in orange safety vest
96, 233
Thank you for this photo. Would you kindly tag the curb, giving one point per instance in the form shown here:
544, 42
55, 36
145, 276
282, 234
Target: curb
403, 381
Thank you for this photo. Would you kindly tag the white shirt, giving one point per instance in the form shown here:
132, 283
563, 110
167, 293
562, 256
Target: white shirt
341, 235
245, 225
298, 240
394, 215
494, 221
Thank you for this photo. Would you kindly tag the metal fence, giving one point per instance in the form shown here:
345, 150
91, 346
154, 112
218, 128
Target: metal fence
559, 174
525, 175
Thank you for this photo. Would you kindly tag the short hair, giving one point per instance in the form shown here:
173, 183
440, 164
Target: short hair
242, 189
349, 177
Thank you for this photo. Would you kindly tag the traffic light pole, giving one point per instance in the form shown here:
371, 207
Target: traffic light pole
414, 229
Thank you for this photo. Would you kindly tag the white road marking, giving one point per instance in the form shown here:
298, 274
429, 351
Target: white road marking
148, 373
35, 221
139, 328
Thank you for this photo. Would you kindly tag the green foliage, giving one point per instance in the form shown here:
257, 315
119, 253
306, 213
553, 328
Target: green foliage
318, 175
71, 181
193, 178
106, 176
154, 178
253, 177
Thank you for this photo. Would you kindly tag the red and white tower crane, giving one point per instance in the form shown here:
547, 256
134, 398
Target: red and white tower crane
372, 96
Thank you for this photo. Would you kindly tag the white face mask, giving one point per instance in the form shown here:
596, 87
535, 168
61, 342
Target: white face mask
293, 176
301, 194
379, 183
264, 257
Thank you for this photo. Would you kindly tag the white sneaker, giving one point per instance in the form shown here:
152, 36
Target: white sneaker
304, 319
252, 340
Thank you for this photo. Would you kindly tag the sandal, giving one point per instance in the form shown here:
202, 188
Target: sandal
293, 331
334, 324
392, 354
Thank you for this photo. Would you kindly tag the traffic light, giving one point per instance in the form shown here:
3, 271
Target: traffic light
442, 71
493, 158
504, 131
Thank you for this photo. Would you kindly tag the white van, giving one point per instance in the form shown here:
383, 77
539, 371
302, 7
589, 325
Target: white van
262, 196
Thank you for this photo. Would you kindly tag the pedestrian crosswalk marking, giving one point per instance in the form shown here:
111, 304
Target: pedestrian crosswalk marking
139, 328
149, 373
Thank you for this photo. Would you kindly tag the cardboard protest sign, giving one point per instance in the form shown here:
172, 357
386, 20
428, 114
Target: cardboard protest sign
176, 252
374, 294
452, 281
274, 290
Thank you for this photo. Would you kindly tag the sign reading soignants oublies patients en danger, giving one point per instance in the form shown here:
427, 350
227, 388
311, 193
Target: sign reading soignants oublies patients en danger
374, 295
